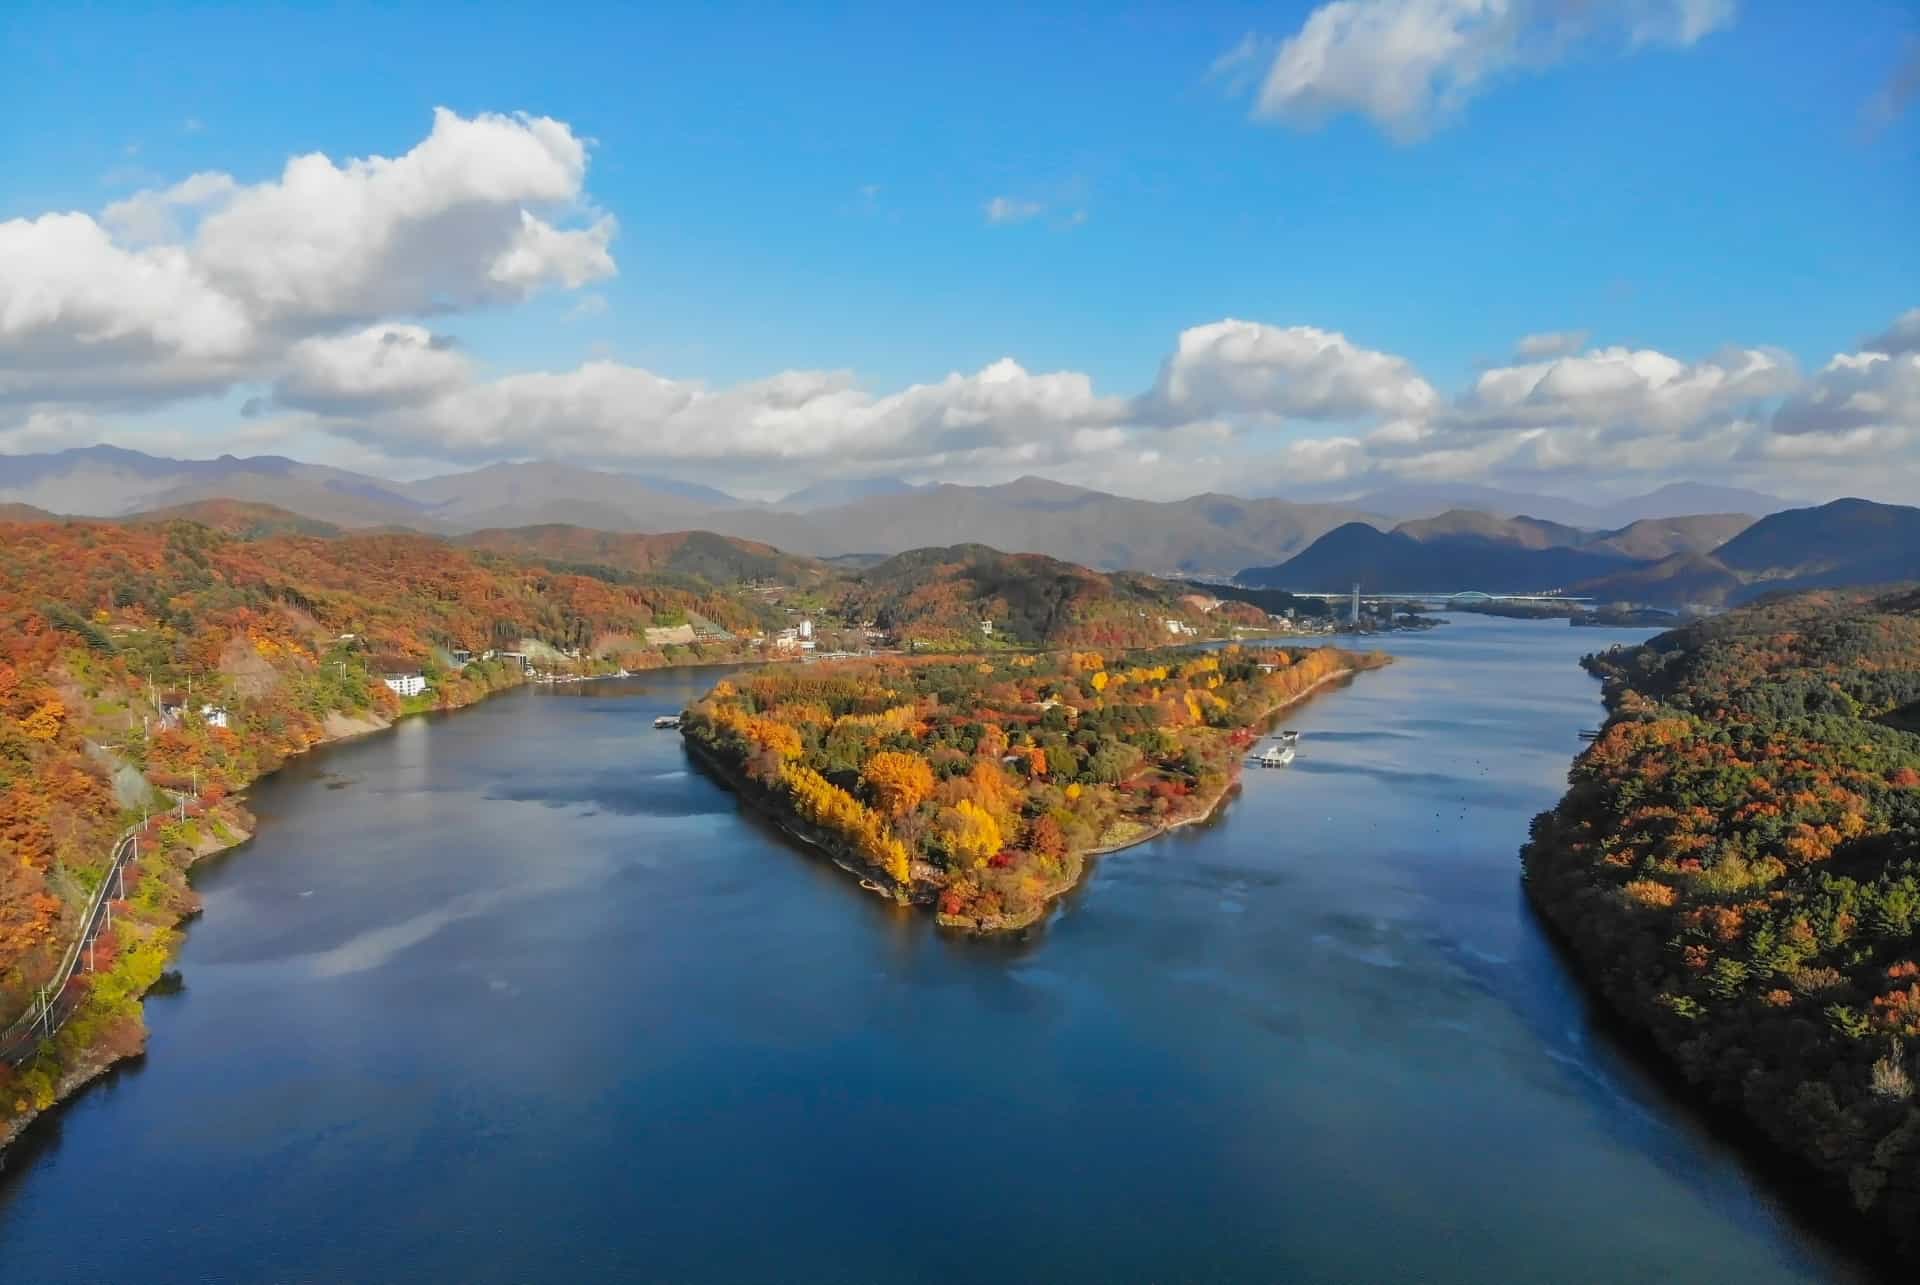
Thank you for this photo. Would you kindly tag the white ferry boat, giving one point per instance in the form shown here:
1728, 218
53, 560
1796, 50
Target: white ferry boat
1277, 755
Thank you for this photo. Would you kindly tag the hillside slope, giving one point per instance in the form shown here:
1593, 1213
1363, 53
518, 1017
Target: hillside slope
1847, 542
1396, 562
703, 555
1652, 539
152, 666
939, 597
1736, 866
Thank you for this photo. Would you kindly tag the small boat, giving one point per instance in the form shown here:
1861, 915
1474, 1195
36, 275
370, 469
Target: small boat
1287, 738
666, 722
1274, 756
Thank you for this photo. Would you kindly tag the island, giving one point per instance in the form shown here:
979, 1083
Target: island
978, 786
1736, 870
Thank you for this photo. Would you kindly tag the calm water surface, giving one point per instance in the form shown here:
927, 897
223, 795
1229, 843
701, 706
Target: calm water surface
515, 995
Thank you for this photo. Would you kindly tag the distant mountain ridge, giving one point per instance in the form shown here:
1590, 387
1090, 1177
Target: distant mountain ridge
1426, 560
1674, 500
1706, 560
1845, 542
1207, 534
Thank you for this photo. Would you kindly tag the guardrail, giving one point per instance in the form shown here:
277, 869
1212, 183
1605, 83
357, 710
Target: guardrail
58, 999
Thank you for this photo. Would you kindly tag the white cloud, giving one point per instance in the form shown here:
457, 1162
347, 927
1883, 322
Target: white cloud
379, 367
1856, 391
1241, 406
1638, 389
448, 225
327, 284
1245, 368
51, 430
1903, 336
609, 412
150, 215
1006, 209
84, 320
1550, 343
1410, 65
128, 308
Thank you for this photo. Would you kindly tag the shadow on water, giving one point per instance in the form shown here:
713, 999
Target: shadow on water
1634, 1091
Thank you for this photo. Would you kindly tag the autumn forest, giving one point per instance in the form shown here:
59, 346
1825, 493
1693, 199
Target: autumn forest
979, 787
1737, 869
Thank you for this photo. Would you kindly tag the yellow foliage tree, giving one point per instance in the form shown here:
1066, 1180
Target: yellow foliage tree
44, 723
969, 833
832, 808
900, 781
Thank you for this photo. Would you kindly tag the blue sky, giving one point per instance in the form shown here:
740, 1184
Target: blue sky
808, 191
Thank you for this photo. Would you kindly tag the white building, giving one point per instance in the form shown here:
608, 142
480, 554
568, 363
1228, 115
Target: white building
405, 684
986, 628
213, 715
1178, 627
806, 628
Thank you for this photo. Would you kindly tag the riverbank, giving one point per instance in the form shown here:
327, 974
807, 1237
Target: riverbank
107, 1029
1764, 945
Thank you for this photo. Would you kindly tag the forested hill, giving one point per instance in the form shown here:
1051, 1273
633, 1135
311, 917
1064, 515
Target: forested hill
939, 597
1707, 559
702, 555
1737, 868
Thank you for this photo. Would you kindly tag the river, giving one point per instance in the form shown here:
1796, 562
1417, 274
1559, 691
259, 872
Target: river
516, 994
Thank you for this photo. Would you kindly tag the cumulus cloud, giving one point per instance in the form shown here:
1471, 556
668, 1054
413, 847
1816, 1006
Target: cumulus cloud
84, 320
1410, 65
1244, 368
1640, 389
451, 224
154, 214
131, 307
1903, 336
377, 368
326, 292
396, 391
1865, 390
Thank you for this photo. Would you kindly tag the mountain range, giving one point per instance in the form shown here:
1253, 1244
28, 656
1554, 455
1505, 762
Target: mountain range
874, 517
1707, 560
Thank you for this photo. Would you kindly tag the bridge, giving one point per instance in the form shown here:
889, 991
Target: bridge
1445, 597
